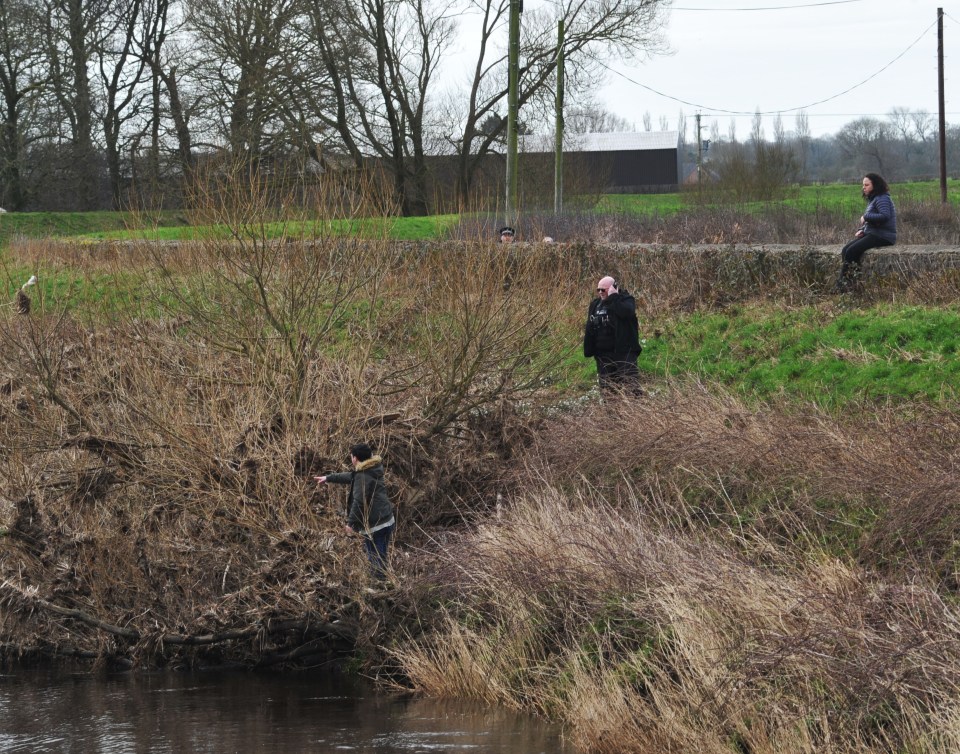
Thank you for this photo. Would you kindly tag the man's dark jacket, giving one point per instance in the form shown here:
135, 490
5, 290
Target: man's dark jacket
612, 330
368, 503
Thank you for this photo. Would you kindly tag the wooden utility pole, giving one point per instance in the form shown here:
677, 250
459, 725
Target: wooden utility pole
513, 105
943, 114
558, 158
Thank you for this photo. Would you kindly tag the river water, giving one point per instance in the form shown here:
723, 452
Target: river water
50, 711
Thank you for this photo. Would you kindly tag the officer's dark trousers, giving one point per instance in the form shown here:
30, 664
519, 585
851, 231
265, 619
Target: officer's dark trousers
618, 373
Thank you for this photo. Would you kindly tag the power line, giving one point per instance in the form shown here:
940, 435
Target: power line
781, 110
771, 7
847, 115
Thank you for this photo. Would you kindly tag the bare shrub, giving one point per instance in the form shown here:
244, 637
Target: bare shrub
162, 448
925, 222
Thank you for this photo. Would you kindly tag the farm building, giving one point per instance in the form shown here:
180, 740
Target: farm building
622, 163
645, 162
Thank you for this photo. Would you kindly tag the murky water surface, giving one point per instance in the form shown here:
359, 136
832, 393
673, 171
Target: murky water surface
45, 711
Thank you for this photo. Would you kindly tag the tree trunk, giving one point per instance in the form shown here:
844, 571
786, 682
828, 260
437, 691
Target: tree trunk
85, 162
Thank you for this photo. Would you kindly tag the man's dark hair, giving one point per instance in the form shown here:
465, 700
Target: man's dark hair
879, 184
361, 451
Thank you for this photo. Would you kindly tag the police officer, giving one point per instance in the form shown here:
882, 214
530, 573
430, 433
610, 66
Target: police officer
612, 337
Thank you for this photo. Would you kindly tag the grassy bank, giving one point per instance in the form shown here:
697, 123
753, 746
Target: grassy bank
760, 330
826, 353
181, 225
758, 556
41, 225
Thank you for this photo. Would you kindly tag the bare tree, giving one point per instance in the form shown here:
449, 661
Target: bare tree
593, 31
900, 122
923, 124
381, 58
592, 117
759, 170
757, 135
866, 141
121, 70
910, 131
73, 32
165, 51
23, 80
246, 50
802, 131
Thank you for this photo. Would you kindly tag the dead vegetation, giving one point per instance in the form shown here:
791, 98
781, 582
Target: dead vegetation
156, 491
699, 576
723, 222
154, 482
649, 635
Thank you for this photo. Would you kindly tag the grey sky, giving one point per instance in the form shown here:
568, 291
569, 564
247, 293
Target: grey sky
797, 54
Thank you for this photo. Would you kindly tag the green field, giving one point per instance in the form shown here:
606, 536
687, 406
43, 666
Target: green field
818, 354
843, 199
177, 226
833, 198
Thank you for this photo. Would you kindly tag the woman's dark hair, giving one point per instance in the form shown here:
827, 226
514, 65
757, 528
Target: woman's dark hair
879, 185
361, 451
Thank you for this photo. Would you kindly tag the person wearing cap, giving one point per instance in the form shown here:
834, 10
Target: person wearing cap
612, 337
369, 512
507, 234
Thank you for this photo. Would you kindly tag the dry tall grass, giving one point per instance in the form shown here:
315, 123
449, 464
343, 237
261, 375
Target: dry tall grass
647, 636
920, 222
878, 482
685, 573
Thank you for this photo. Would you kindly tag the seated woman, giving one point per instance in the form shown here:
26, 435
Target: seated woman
878, 227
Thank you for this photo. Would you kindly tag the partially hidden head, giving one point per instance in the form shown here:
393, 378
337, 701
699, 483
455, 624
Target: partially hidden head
361, 451
507, 234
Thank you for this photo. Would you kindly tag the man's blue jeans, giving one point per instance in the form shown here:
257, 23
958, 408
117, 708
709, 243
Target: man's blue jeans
376, 546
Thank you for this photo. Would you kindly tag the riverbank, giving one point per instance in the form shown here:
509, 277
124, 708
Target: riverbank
709, 567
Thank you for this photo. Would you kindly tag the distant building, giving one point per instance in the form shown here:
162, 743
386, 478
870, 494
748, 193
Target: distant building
623, 163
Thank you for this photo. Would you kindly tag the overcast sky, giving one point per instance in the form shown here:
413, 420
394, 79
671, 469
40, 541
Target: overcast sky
799, 54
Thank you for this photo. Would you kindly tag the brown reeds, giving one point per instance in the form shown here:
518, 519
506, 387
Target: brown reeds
879, 482
643, 636
919, 222
687, 573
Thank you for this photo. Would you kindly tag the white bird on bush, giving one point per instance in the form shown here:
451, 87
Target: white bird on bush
23, 300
